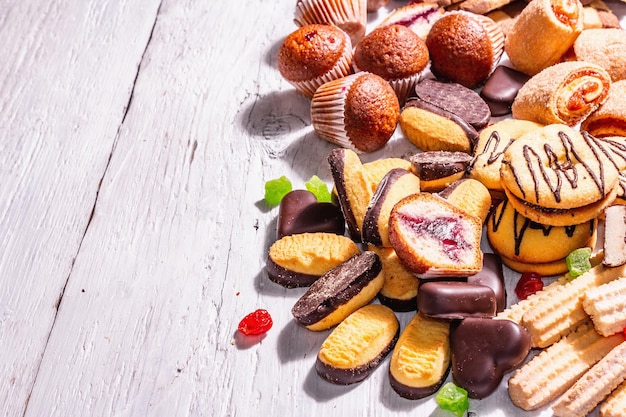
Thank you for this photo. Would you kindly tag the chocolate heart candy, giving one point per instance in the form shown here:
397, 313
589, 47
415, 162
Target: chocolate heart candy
501, 89
300, 212
492, 276
483, 350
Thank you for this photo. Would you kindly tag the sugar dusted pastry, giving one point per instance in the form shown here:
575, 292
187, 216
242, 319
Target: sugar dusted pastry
604, 47
564, 93
610, 118
543, 33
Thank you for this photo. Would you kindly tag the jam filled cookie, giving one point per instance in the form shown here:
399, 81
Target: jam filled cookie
558, 176
434, 238
565, 93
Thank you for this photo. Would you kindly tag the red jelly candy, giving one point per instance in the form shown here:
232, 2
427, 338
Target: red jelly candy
255, 323
528, 284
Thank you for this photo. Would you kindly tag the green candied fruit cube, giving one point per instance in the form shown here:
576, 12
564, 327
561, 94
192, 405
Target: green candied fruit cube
319, 188
578, 262
453, 398
276, 189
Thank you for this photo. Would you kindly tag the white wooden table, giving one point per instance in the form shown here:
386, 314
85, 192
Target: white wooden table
135, 141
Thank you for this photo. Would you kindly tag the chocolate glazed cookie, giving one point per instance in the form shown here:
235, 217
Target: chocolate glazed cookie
555, 169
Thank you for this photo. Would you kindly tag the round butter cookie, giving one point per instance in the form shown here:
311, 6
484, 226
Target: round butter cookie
493, 141
519, 239
556, 168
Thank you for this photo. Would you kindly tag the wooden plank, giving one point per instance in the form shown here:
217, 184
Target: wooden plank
67, 69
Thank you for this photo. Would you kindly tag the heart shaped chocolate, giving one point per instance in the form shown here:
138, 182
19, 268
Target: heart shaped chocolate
483, 350
300, 212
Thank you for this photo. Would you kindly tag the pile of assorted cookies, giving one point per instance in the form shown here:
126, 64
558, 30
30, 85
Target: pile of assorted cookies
531, 150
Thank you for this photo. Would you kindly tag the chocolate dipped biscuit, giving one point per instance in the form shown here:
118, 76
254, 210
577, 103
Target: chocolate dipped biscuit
456, 300
399, 291
299, 260
421, 358
378, 168
492, 276
353, 186
300, 212
501, 88
397, 184
339, 292
438, 169
432, 128
483, 350
434, 238
358, 345
457, 99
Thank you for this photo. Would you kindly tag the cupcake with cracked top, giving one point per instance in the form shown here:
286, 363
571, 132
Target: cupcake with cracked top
464, 47
313, 55
395, 53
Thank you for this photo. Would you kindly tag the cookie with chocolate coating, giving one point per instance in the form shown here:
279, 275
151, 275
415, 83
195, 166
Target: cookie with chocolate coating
432, 128
399, 291
438, 169
299, 260
554, 169
469, 195
397, 184
358, 345
421, 358
339, 292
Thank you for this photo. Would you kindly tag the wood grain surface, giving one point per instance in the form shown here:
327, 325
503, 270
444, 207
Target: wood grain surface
135, 142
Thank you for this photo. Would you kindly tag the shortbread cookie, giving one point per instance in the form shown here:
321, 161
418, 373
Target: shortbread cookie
399, 291
554, 370
469, 195
397, 184
542, 33
615, 405
378, 168
339, 292
432, 128
594, 386
606, 305
434, 238
299, 260
493, 141
557, 168
610, 118
556, 313
614, 236
438, 169
421, 359
358, 345
517, 311
567, 93
545, 269
353, 186
515, 237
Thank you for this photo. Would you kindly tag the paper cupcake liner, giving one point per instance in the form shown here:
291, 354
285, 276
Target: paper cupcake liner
327, 111
348, 15
404, 87
341, 68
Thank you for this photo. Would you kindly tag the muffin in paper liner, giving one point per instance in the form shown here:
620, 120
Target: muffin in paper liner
311, 56
463, 53
396, 53
349, 15
358, 112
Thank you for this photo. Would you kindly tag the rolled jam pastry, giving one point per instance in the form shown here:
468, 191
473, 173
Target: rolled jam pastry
564, 93
610, 118
543, 33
